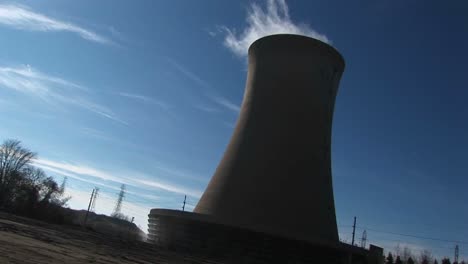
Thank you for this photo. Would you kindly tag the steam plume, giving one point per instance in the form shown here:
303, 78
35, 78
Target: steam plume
274, 20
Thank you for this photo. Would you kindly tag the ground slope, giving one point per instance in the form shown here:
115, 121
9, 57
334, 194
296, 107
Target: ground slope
24, 240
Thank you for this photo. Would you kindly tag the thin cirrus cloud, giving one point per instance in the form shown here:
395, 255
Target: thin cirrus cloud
73, 175
226, 103
206, 108
148, 197
52, 90
208, 91
145, 99
137, 179
91, 132
189, 74
23, 18
65, 173
274, 20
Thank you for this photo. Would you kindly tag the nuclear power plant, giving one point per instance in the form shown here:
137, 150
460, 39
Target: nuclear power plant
272, 192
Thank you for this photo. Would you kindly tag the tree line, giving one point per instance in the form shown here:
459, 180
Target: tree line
26, 189
406, 257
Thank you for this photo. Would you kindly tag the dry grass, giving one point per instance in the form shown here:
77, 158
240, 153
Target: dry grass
24, 240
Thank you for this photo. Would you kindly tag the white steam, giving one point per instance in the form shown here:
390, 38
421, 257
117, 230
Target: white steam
274, 20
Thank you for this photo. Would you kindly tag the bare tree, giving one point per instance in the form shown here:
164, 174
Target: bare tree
446, 261
398, 250
426, 257
33, 175
406, 254
389, 259
398, 260
14, 158
59, 197
26, 186
26, 189
48, 188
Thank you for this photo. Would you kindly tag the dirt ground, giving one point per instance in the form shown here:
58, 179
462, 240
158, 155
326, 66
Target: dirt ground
24, 240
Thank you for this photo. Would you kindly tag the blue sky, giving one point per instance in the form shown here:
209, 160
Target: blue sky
146, 93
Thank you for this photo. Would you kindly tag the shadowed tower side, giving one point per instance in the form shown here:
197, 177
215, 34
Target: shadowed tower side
275, 175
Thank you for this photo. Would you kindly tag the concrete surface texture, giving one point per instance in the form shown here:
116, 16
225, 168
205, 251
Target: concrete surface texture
197, 235
275, 175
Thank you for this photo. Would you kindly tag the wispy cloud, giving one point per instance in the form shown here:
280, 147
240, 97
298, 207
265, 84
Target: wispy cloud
23, 18
52, 90
137, 179
81, 169
177, 173
226, 103
169, 187
206, 108
208, 90
274, 20
145, 99
229, 124
189, 74
74, 176
96, 133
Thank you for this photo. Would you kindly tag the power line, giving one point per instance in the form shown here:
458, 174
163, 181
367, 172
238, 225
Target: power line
140, 211
137, 209
409, 235
139, 214
416, 236
139, 199
412, 243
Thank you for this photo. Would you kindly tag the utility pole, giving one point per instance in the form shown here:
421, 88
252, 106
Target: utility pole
455, 259
354, 231
183, 206
89, 206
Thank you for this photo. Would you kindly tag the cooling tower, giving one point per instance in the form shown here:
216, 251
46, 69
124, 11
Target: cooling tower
275, 176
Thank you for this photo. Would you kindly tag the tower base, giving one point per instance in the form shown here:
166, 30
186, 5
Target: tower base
200, 237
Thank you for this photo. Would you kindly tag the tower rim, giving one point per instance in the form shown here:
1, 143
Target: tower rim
325, 47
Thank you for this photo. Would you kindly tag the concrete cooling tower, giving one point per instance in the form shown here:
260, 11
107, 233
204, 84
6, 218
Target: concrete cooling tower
275, 175
271, 197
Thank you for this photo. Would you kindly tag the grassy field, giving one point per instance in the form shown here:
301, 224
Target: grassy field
24, 240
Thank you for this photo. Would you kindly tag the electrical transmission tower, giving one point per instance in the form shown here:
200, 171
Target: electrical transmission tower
185, 200
118, 204
455, 259
93, 203
364, 239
